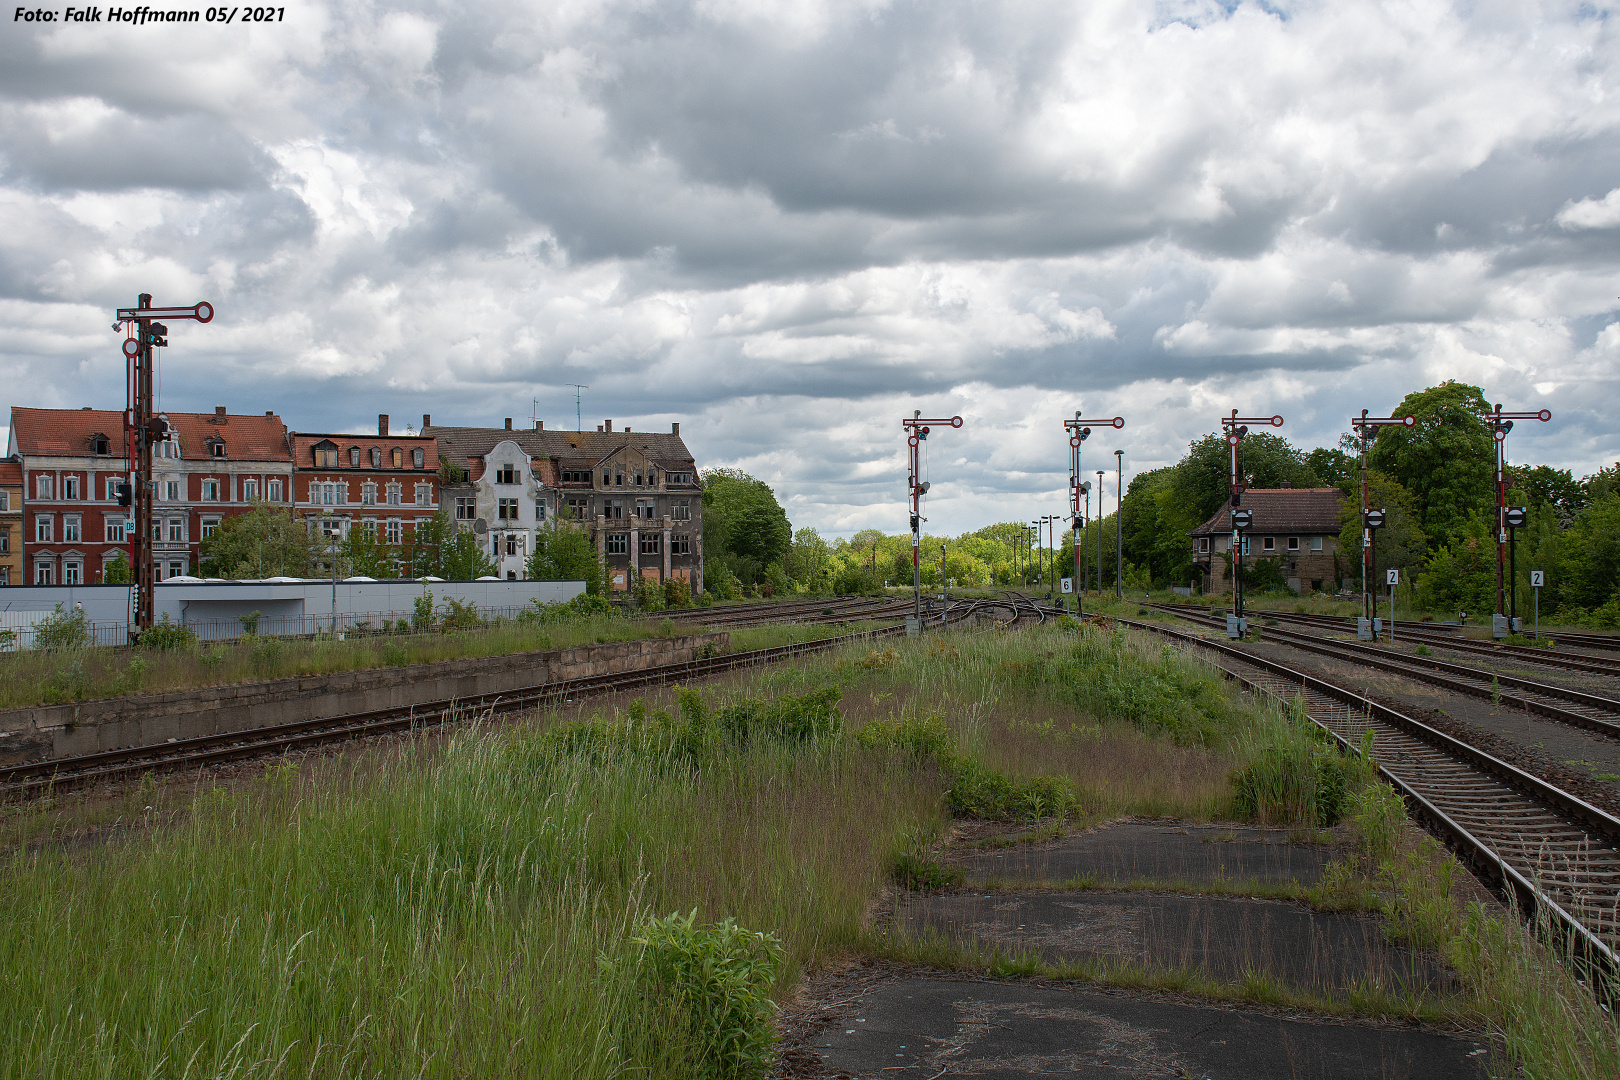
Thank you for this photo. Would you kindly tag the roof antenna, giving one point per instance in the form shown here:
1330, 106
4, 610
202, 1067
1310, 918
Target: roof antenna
579, 424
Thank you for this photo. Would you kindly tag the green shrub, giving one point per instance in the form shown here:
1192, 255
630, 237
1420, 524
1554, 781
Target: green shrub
62, 630
1298, 782
250, 623
167, 636
677, 594
266, 656
700, 730
924, 875
714, 979
649, 595
922, 736
422, 611
981, 792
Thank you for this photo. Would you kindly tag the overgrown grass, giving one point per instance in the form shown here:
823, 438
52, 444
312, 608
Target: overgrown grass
44, 678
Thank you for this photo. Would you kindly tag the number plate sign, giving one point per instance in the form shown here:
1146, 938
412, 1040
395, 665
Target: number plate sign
1392, 577
1068, 585
1538, 578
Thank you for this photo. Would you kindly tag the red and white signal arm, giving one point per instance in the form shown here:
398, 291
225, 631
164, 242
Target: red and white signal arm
1392, 576
1538, 578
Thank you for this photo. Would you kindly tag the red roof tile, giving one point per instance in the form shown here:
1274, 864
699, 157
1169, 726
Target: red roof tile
1283, 510
67, 433
10, 472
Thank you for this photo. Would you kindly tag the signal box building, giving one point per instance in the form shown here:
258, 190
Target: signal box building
210, 467
636, 492
381, 483
1298, 526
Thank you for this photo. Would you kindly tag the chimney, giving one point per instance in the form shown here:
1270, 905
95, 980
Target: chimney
598, 428
508, 423
269, 412
382, 424
219, 410
675, 429
608, 426
427, 419
539, 425
627, 429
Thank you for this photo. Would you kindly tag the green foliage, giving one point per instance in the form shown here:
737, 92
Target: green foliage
776, 578
981, 792
1335, 467
266, 657
1106, 675
677, 593
1401, 543
363, 554
166, 636
719, 580
1589, 563
563, 551
63, 630
250, 623
920, 736
585, 605
440, 549
1446, 461
117, 572
715, 979
649, 594
267, 541
1201, 483
701, 731
924, 875
744, 527
1308, 785
1461, 575
460, 615
422, 611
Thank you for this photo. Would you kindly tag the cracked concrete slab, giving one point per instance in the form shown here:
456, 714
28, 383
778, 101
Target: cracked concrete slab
1220, 938
1133, 851
920, 1028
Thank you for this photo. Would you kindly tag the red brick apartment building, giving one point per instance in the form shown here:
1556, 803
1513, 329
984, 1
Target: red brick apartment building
210, 467
384, 483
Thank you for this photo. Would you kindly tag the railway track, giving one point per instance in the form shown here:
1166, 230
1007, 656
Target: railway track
1593, 712
1414, 632
1557, 854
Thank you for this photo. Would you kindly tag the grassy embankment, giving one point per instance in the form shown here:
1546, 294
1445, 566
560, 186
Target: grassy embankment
474, 910
45, 678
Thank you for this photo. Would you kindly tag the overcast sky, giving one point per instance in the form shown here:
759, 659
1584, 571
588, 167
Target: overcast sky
787, 224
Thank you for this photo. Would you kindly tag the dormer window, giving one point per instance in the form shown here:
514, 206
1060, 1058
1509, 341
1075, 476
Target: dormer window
354, 457
376, 457
100, 444
398, 457
216, 448
326, 454
417, 457
507, 474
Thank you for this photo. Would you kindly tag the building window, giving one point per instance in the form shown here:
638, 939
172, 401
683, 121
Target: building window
618, 543
44, 487
1316, 543
424, 494
514, 543
416, 457
394, 491
680, 544
506, 509
99, 444
250, 490
5, 541
44, 573
210, 526
579, 507
1293, 543
1203, 545
177, 530
681, 510
210, 491
1268, 543
398, 457
614, 509
177, 569
354, 457
5, 497
506, 474
114, 530
678, 478
274, 491
465, 509
376, 457
171, 490
652, 544
539, 510
73, 572
368, 494
391, 532
5, 575
44, 529
326, 457
70, 488
216, 449
70, 529
644, 510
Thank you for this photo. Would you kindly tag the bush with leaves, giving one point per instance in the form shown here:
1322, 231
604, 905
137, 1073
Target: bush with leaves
649, 595
677, 594
167, 635
63, 630
715, 980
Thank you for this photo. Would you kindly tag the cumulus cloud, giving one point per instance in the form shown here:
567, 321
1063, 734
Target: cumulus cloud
788, 224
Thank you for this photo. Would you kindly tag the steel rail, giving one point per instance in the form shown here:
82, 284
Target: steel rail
1599, 665
1482, 806
1591, 712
